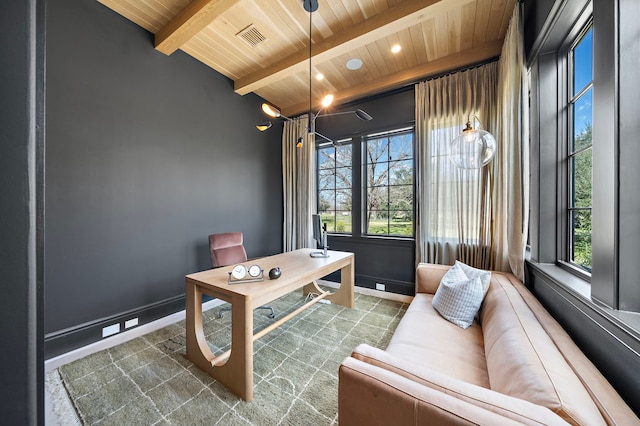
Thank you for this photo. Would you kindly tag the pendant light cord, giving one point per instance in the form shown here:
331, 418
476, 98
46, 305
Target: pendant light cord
310, 92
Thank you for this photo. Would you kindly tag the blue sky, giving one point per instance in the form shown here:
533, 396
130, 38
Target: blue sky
583, 66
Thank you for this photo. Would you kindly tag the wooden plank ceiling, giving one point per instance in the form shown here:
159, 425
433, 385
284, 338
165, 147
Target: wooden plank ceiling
263, 45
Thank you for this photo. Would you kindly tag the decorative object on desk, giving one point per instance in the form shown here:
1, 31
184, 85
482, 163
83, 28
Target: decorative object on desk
473, 148
240, 274
272, 111
275, 273
226, 249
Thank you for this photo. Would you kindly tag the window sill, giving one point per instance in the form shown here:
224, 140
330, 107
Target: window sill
576, 285
374, 239
580, 289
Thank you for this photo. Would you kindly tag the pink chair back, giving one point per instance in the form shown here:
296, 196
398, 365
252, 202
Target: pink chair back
226, 249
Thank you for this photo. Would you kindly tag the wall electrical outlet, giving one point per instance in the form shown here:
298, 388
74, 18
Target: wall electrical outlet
131, 323
380, 286
111, 330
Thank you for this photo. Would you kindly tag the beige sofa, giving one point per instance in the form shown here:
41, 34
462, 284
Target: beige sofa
513, 365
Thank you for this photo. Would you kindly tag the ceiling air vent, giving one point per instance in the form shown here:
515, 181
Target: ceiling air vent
251, 35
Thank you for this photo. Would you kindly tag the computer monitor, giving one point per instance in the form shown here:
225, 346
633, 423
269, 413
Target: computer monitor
317, 230
320, 235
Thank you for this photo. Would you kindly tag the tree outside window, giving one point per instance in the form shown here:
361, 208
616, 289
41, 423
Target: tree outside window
335, 186
580, 152
389, 184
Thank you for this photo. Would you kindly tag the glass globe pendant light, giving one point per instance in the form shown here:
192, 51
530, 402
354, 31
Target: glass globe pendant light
473, 148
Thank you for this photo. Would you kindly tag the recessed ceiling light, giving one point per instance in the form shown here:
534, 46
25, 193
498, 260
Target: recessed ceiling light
319, 76
354, 64
396, 48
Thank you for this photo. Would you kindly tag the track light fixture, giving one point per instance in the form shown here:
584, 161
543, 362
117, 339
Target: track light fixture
263, 126
274, 112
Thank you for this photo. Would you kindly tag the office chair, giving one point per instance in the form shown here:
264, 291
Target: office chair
227, 249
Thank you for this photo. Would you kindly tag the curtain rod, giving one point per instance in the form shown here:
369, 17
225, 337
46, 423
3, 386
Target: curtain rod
410, 85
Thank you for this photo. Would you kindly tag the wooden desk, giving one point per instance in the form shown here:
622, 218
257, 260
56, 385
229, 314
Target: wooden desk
234, 368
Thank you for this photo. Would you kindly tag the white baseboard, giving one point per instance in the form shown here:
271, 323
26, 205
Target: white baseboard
136, 332
371, 292
119, 338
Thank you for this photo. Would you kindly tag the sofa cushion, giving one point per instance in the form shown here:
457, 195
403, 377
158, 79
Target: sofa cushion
611, 406
425, 338
522, 360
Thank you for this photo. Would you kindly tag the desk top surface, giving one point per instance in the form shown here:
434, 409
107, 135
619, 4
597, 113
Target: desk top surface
298, 268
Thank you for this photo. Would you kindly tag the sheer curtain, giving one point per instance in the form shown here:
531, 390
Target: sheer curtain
511, 196
476, 216
453, 208
299, 184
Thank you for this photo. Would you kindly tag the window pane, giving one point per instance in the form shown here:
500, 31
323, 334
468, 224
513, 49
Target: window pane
579, 158
582, 179
334, 187
389, 185
343, 222
329, 219
376, 198
401, 223
378, 173
378, 223
343, 156
343, 177
582, 119
377, 150
400, 198
401, 147
401, 172
327, 179
581, 241
325, 158
583, 63
343, 200
326, 200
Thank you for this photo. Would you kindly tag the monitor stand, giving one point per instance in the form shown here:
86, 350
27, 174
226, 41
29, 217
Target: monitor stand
322, 253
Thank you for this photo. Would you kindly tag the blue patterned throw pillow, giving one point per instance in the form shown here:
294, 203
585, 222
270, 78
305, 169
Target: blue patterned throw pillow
458, 297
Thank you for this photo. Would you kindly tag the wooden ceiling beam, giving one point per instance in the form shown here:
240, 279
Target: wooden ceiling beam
449, 63
190, 21
401, 16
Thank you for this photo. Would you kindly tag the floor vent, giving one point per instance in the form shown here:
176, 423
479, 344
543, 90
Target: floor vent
252, 35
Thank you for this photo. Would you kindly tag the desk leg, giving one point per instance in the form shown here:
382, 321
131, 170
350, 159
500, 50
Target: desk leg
235, 368
344, 294
241, 359
198, 351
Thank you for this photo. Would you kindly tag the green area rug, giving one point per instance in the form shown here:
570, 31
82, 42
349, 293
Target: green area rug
149, 381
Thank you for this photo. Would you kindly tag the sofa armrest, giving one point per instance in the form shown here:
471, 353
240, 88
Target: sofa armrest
371, 395
486, 400
428, 277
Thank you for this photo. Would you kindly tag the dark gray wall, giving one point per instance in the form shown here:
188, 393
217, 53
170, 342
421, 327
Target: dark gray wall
536, 13
21, 171
146, 156
593, 313
629, 128
378, 260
